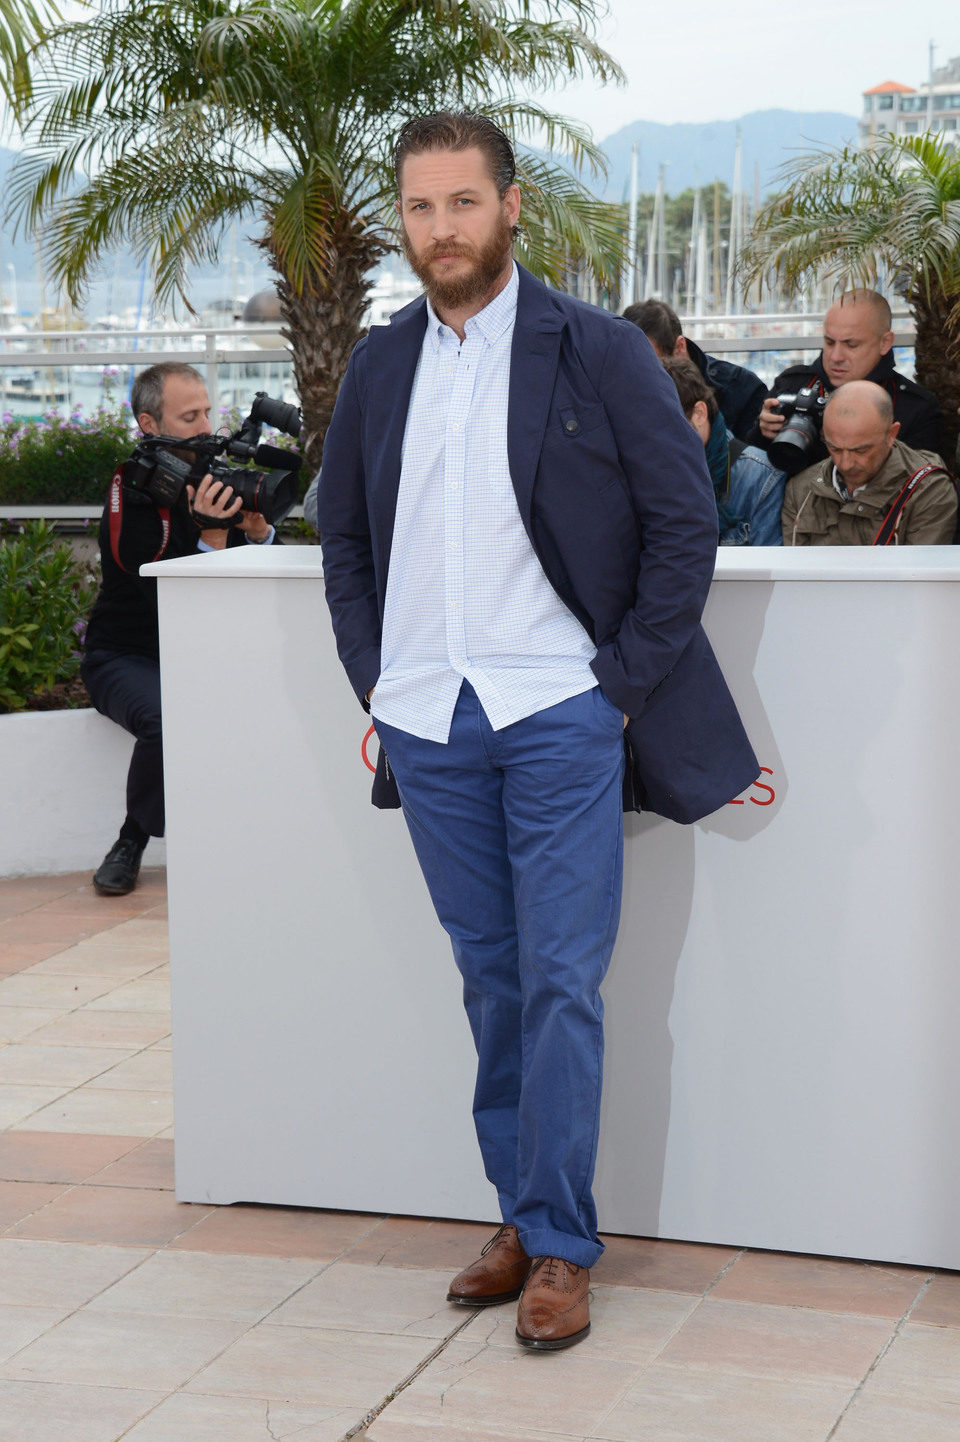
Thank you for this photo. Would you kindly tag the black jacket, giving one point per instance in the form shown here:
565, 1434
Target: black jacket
916, 408
740, 394
124, 615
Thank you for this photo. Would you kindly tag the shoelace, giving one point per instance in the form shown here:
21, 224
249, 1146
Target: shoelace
550, 1267
497, 1236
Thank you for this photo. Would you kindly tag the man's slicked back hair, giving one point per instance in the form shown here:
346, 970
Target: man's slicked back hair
146, 397
455, 130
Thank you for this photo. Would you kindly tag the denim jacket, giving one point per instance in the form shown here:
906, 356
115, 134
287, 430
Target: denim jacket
755, 499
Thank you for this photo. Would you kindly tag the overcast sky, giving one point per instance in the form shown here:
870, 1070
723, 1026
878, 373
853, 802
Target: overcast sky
704, 60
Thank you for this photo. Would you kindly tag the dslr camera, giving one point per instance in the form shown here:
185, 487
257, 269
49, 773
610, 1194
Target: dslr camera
804, 413
263, 476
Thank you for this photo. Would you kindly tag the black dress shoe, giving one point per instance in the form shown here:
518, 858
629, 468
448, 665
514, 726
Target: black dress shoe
118, 871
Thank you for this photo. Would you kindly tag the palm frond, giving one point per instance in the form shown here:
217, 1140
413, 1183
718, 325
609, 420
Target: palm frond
847, 214
151, 122
564, 226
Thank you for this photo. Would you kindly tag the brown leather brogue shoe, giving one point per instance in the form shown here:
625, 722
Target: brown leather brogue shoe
496, 1276
554, 1309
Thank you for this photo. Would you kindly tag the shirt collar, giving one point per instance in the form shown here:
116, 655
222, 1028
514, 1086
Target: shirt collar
841, 489
838, 485
491, 322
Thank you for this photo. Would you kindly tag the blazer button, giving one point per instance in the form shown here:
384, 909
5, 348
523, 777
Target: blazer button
572, 426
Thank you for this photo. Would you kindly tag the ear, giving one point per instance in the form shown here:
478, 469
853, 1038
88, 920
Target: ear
396, 205
680, 348
511, 203
886, 343
147, 424
700, 420
894, 431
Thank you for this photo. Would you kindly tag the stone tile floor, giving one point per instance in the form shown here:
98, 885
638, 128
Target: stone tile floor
125, 1314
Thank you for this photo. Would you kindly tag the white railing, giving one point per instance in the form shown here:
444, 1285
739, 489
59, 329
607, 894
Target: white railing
775, 332
259, 347
65, 369
214, 347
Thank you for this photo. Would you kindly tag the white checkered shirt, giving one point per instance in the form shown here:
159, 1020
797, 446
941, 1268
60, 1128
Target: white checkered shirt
466, 595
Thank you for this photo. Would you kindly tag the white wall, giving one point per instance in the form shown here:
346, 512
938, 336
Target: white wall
782, 1069
62, 785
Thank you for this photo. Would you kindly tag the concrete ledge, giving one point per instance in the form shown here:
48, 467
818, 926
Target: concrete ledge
62, 779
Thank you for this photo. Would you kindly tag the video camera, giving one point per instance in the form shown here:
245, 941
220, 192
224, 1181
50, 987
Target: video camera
156, 469
804, 412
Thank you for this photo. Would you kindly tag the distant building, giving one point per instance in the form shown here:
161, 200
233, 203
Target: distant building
901, 110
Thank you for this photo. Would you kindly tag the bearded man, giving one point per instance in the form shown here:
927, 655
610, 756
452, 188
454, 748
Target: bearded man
519, 536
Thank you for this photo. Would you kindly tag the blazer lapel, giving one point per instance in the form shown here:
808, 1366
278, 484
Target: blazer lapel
393, 351
533, 370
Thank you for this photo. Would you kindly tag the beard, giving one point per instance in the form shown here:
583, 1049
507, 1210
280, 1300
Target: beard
488, 263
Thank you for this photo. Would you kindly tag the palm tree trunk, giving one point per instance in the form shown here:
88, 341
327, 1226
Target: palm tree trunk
323, 324
938, 359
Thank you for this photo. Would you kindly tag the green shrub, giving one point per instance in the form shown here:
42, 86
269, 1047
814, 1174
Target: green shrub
44, 597
61, 460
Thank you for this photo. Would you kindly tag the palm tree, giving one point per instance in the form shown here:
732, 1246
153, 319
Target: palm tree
182, 117
21, 23
852, 215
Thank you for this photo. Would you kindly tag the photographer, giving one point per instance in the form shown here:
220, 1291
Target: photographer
872, 490
747, 488
121, 666
739, 393
857, 346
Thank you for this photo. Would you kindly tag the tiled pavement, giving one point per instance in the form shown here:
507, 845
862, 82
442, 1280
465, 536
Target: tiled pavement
125, 1314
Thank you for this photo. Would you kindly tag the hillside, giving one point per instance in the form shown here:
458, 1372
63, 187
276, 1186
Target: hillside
698, 154
693, 154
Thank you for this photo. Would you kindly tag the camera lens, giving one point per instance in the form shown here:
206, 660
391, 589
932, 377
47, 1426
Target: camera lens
278, 414
795, 437
272, 493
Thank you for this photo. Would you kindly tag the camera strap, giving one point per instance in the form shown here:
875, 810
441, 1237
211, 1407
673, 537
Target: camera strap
891, 520
116, 520
214, 523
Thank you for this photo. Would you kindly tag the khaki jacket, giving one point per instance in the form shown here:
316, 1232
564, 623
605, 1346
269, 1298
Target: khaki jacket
814, 515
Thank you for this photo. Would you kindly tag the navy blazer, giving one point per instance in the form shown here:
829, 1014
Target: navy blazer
613, 491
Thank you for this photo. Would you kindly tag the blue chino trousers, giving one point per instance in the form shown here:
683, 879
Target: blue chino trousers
519, 834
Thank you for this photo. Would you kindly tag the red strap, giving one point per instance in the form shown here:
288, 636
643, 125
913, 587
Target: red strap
891, 521
116, 520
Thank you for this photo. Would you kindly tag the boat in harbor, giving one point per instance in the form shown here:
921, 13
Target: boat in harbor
30, 388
